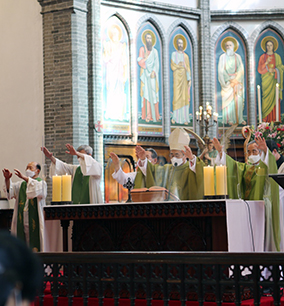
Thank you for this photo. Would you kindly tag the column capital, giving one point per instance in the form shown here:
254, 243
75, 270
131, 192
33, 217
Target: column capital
49, 6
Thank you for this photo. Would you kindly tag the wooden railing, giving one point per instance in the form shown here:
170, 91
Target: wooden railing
184, 276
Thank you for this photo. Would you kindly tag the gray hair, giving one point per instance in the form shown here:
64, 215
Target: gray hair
252, 142
86, 148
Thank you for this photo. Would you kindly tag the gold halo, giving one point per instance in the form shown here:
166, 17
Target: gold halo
265, 39
152, 35
179, 36
229, 38
109, 31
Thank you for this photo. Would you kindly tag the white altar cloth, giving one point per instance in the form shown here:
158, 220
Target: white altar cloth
245, 225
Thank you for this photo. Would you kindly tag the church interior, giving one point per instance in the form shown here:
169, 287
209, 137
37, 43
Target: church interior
117, 75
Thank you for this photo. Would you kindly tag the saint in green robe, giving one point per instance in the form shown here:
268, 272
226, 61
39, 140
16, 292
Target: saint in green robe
180, 180
252, 183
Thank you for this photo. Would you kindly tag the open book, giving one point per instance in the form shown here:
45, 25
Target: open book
152, 194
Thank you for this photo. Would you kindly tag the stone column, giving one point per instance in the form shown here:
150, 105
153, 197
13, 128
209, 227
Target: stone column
205, 60
95, 82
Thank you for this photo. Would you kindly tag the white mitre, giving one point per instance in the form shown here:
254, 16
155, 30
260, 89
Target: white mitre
178, 139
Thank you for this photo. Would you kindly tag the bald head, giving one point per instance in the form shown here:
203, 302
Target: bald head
34, 167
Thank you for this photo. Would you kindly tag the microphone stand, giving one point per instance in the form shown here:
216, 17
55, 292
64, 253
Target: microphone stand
171, 180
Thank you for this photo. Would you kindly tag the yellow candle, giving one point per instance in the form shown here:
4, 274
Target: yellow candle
221, 180
66, 188
56, 188
208, 173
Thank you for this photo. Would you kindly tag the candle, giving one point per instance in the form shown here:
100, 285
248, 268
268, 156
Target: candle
56, 188
66, 188
277, 101
260, 171
208, 173
221, 180
259, 104
197, 116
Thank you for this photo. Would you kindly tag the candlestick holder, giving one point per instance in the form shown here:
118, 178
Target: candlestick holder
206, 119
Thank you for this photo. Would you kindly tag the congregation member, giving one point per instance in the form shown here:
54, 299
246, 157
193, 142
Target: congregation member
86, 176
250, 182
30, 194
136, 177
272, 146
182, 178
21, 273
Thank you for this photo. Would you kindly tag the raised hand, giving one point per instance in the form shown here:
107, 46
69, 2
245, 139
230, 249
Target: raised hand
217, 145
115, 161
20, 175
188, 153
71, 149
140, 152
48, 154
261, 144
7, 174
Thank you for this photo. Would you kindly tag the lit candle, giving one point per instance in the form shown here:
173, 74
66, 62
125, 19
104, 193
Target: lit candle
221, 180
197, 116
66, 188
277, 102
208, 174
259, 104
56, 188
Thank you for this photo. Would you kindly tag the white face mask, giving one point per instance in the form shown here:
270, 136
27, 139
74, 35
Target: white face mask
30, 173
254, 159
176, 161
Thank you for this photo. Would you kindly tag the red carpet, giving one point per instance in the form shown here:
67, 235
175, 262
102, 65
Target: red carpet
78, 301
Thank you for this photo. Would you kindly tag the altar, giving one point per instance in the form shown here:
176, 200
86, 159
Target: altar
204, 225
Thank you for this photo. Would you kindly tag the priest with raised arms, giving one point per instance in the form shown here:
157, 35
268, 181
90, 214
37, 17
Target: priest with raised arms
251, 182
182, 178
86, 176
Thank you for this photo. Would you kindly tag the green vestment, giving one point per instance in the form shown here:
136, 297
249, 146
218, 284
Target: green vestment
80, 188
252, 183
180, 180
34, 236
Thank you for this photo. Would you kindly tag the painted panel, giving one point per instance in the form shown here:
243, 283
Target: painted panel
181, 82
116, 92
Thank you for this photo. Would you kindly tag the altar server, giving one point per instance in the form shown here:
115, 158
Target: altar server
30, 194
251, 182
86, 176
182, 178
137, 178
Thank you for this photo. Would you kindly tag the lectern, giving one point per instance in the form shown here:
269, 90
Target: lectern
153, 194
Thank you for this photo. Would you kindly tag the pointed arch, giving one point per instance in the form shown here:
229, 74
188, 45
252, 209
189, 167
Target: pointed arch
243, 35
183, 24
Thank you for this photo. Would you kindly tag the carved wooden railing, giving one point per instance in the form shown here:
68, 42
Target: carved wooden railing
167, 276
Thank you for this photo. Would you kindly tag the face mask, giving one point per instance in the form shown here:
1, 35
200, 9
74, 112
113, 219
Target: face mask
253, 159
30, 173
176, 161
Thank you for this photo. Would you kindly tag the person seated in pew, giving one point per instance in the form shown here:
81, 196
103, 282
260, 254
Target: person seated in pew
30, 194
251, 182
182, 178
136, 177
21, 272
86, 176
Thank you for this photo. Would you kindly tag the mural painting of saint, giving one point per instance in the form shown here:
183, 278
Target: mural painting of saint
181, 81
148, 61
231, 79
115, 60
271, 69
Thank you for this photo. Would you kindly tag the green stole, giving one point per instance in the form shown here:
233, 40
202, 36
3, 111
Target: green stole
33, 218
250, 182
80, 188
180, 180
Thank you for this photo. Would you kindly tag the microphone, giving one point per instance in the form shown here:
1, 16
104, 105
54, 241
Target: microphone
171, 180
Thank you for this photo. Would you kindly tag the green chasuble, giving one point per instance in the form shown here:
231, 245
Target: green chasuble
252, 183
33, 218
80, 188
180, 180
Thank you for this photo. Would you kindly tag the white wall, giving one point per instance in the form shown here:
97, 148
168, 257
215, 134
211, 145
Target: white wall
21, 84
245, 4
